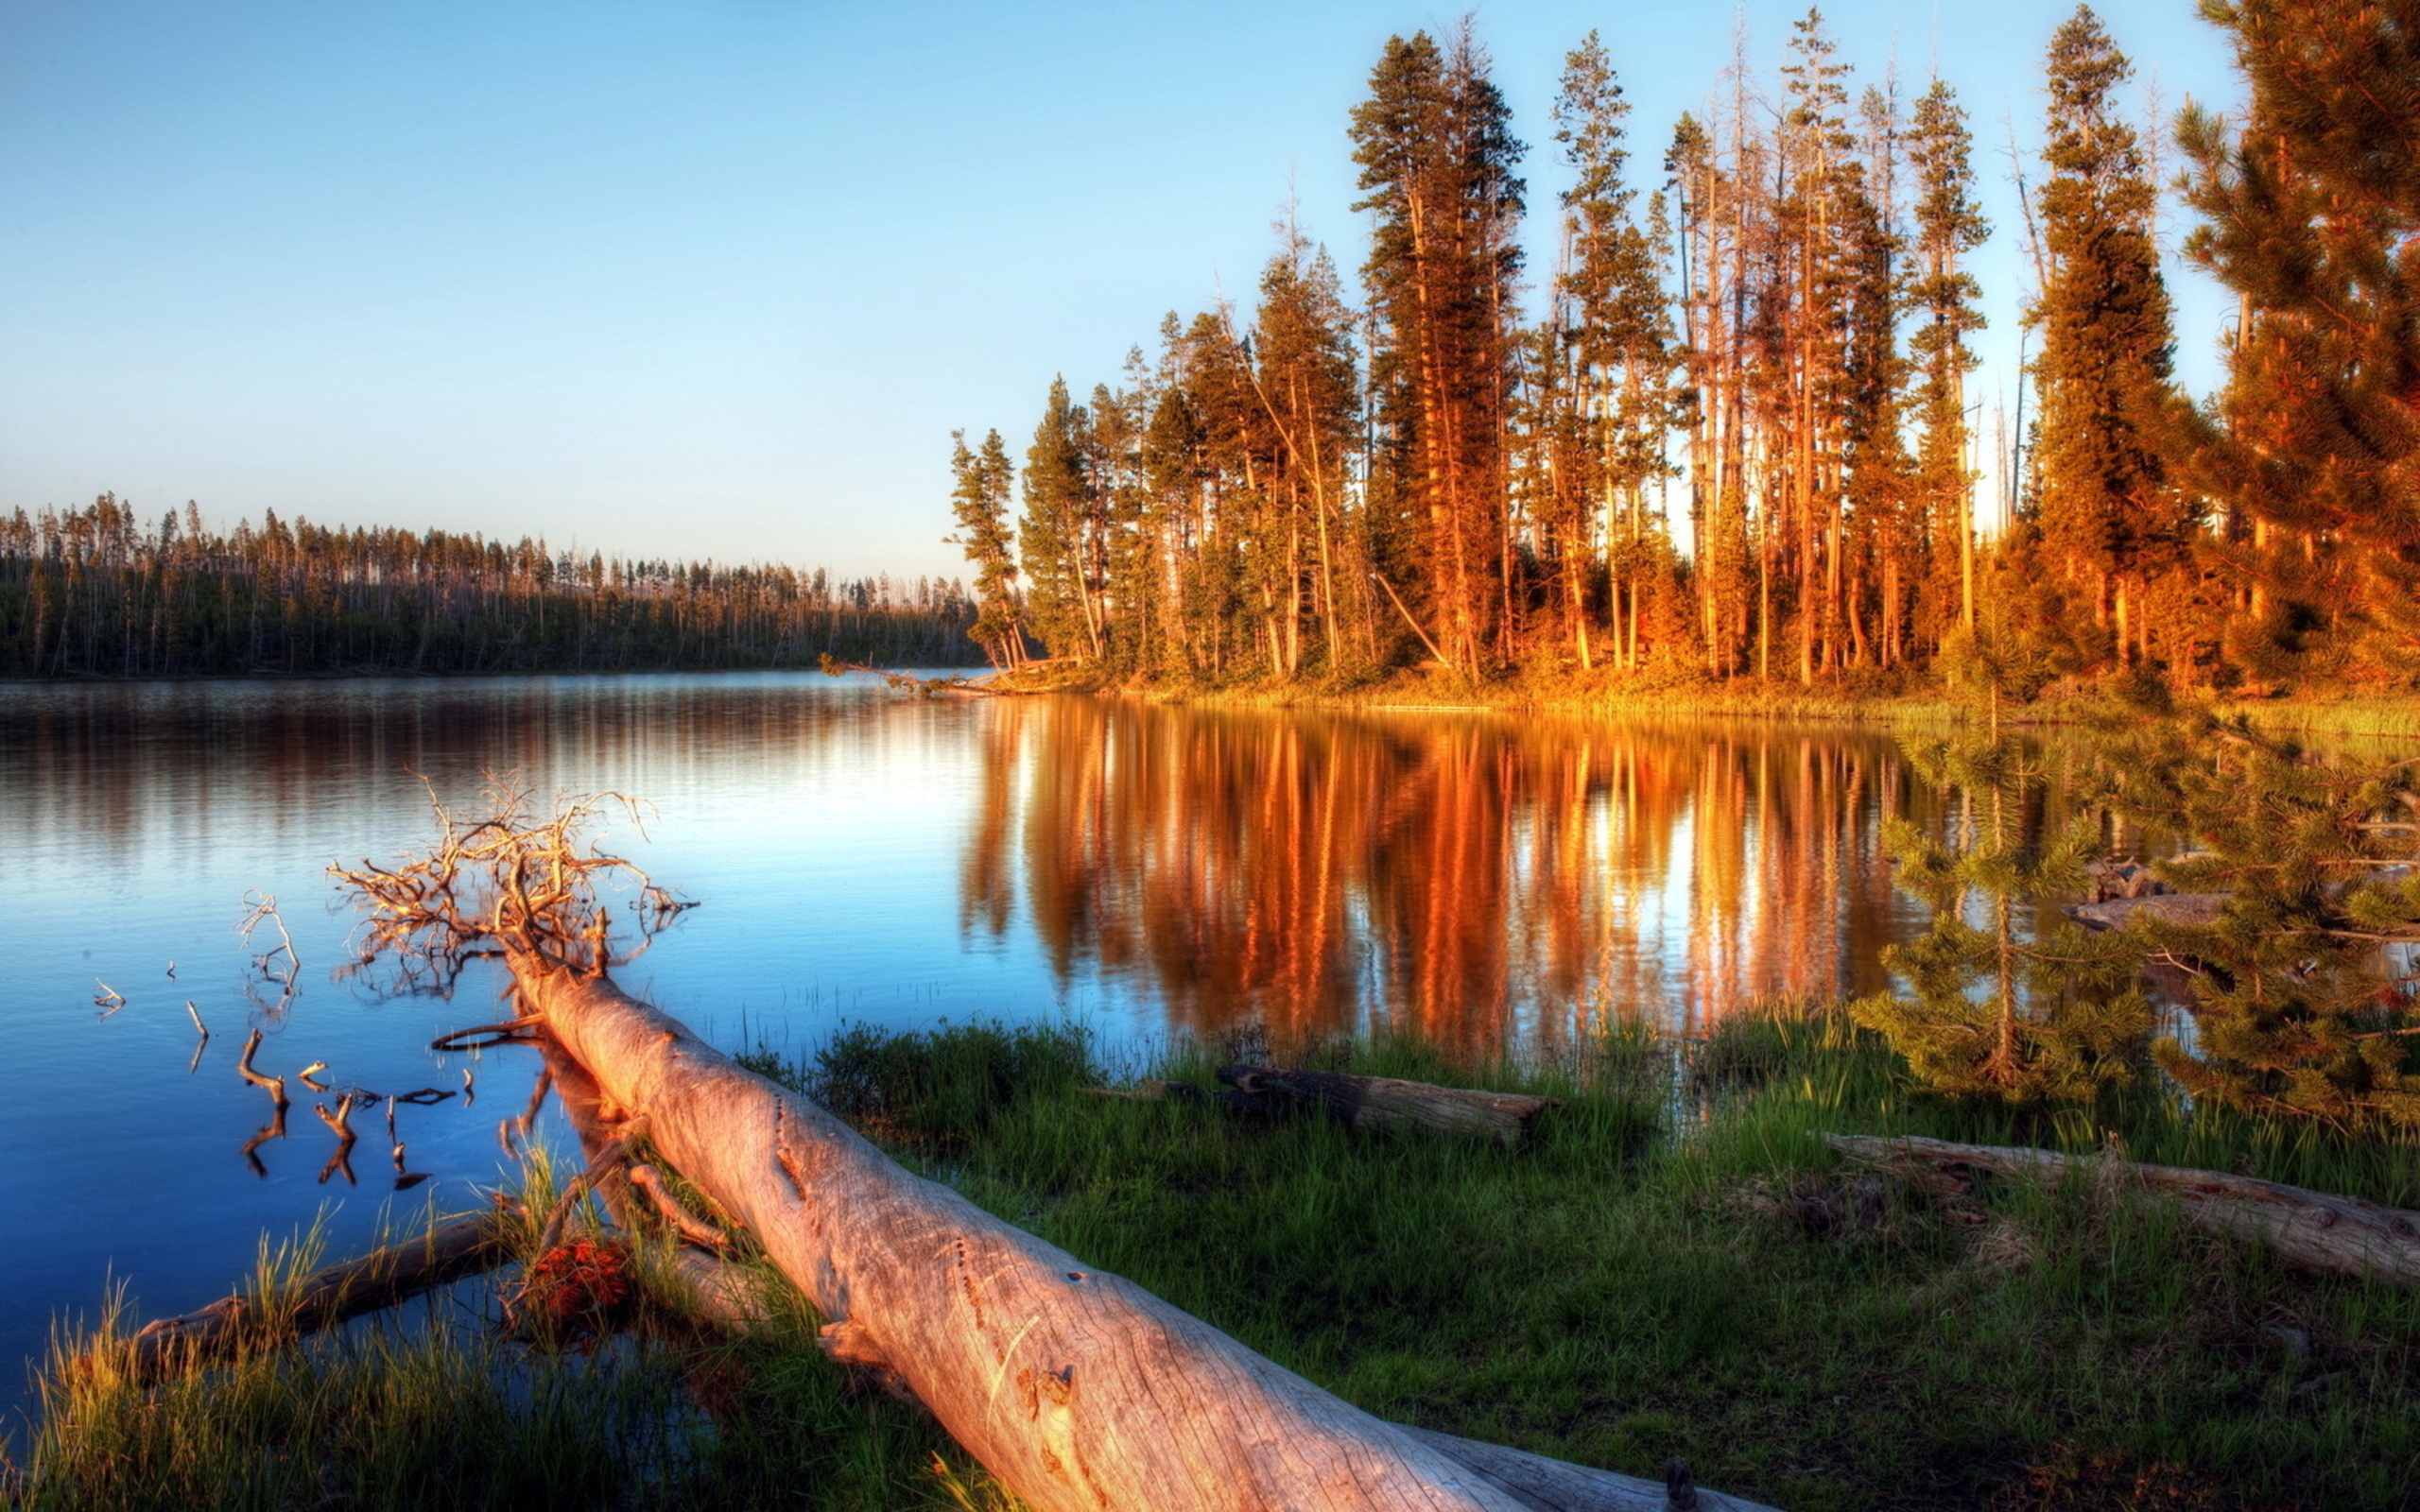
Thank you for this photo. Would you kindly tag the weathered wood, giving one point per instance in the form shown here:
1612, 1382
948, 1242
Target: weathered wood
1383, 1102
1078, 1389
396, 1273
2318, 1229
1244, 1105
1556, 1485
2194, 910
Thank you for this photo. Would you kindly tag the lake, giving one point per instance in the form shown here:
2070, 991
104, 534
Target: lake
1148, 870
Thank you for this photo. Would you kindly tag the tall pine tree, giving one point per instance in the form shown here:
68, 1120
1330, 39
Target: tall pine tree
2310, 203
980, 502
1436, 154
2108, 511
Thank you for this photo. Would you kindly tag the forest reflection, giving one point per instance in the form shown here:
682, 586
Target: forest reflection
1468, 876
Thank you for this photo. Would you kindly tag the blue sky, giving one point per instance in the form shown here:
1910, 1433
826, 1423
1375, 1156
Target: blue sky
719, 277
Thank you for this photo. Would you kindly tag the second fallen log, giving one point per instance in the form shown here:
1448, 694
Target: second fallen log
1370, 1103
2317, 1230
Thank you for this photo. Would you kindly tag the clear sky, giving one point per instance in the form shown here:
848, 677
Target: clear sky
719, 278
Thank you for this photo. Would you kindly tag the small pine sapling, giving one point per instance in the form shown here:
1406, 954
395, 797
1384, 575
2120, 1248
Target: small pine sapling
1992, 1009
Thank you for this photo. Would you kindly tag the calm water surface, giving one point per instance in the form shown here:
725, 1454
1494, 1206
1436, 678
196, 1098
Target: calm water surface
860, 857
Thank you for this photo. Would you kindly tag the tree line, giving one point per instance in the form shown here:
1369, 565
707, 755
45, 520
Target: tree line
97, 592
1737, 439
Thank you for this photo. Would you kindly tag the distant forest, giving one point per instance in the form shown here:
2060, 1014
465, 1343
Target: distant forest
1739, 439
96, 592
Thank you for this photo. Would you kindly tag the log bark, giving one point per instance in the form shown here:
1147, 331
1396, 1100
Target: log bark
2316, 1230
2192, 909
1556, 1485
1371, 1103
384, 1276
1078, 1389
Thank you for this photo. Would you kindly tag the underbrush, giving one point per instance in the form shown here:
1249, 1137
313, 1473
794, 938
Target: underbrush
1674, 1264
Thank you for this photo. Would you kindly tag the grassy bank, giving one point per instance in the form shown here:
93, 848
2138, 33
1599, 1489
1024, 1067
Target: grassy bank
1674, 1265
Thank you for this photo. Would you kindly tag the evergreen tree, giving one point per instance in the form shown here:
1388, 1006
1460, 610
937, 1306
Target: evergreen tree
1609, 363
1991, 1012
1436, 155
2107, 507
1949, 226
1062, 530
2311, 204
980, 502
2316, 862
1307, 382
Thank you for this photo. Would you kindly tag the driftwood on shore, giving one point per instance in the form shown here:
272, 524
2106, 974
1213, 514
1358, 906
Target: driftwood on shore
1075, 1388
2316, 1230
1364, 1103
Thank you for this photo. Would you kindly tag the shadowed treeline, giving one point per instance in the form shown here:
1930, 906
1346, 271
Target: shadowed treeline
1462, 876
96, 592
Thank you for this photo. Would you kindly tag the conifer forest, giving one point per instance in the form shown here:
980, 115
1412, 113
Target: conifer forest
97, 592
1729, 434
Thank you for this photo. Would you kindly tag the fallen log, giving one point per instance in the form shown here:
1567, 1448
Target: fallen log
1077, 1389
2317, 1230
395, 1273
1556, 1485
1370, 1103
2192, 910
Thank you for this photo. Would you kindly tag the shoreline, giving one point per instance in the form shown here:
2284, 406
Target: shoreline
2332, 713
2318, 711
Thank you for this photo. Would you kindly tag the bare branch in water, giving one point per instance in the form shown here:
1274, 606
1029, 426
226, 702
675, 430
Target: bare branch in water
504, 881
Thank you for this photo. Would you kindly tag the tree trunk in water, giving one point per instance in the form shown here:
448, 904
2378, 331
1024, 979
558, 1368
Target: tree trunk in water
1075, 1388
348, 1289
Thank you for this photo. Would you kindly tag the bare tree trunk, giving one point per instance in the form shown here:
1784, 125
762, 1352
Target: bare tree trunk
1075, 1388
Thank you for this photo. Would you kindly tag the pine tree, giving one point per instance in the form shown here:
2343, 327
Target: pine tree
1949, 226
1609, 362
980, 502
1436, 155
1306, 378
2054, 1017
2107, 507
2316, 859
1061, 530
2310, 202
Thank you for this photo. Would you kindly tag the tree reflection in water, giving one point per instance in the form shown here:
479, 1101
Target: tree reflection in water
1469, 876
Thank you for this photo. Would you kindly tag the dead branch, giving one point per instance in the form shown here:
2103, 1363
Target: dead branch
109, 999
508, 1033
262, 910
276, 1130
669, 1207
506, 881
340, 1122
275, 1085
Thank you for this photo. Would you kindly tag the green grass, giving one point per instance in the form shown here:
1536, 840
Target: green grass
1673, 1265
431, 1407
1679, 1266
